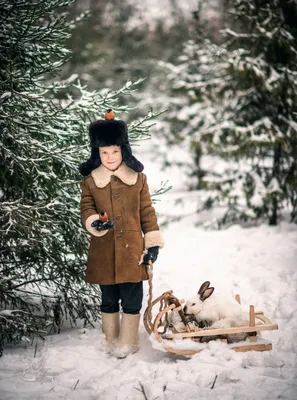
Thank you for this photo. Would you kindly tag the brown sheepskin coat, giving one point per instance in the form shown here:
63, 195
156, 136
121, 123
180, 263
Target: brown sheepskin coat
114, 255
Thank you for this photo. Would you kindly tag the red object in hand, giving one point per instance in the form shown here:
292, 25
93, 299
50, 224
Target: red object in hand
103, 216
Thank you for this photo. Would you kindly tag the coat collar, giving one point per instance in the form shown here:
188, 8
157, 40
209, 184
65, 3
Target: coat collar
102, 175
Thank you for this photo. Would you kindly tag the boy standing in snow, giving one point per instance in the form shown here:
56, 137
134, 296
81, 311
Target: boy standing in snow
113, 183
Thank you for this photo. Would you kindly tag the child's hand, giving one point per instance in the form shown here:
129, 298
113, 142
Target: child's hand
102, 226
151, 255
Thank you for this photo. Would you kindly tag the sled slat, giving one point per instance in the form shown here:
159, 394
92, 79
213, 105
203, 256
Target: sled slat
255, 347
252, 316
244, 348
226, 331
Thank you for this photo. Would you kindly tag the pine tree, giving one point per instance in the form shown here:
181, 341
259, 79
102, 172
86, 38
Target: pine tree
249, 110
43, 140
192, 107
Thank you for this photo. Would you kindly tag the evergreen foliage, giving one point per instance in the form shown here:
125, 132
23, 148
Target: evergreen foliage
44, 138
242, 108
119, 41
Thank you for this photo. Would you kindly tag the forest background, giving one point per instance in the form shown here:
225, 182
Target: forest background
216, 80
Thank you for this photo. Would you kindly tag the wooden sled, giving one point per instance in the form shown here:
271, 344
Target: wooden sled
258, 322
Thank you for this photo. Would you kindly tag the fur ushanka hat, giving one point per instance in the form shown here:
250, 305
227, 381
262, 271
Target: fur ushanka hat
109, 132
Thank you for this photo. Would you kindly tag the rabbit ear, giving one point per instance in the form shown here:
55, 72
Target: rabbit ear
203, 287
206, 294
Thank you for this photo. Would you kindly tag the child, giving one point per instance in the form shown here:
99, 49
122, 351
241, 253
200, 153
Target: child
114, 183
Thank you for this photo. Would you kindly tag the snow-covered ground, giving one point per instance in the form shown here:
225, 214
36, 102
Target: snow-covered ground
258, 263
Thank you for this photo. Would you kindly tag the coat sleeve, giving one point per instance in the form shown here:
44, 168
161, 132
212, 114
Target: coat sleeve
88, 212
148, 218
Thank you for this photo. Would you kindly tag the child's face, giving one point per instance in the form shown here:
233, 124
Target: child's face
111, 157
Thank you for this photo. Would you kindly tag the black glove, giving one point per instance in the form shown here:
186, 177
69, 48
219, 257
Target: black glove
152, 255
102, 226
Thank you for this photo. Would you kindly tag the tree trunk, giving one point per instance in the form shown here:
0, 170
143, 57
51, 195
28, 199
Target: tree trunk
275, 174
199, 172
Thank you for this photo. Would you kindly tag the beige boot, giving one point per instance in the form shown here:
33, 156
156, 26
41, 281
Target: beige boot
128, 339
111, 327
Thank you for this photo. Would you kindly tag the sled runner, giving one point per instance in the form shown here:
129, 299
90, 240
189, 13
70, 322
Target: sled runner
167, 336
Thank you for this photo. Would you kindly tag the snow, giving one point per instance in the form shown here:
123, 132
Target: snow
274, 186
259, 263
5, 95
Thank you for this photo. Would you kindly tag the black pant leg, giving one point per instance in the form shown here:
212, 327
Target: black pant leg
110, 298
131, 295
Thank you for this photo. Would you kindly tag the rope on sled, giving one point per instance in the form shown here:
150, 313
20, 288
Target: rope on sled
147, 318
149, 271
165, 299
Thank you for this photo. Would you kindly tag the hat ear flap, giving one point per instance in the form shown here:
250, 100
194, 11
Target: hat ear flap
134, 164
92, 163
95, 156
130, 160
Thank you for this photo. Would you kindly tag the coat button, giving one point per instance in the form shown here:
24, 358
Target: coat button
119, 237
118, 217
116, 196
